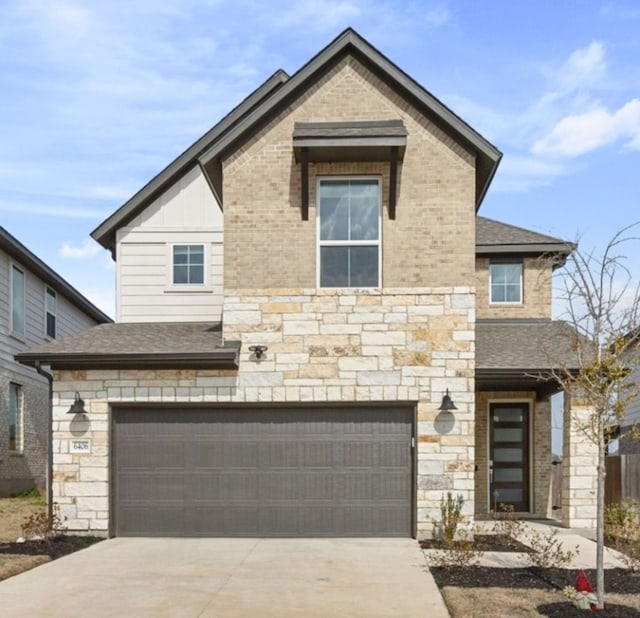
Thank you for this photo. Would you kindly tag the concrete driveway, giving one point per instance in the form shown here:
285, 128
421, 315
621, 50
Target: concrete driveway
305, 578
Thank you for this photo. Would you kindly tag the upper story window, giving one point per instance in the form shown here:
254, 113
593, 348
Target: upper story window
506, 282
349, 232
15, 418
17, 301
188, 264
51, 312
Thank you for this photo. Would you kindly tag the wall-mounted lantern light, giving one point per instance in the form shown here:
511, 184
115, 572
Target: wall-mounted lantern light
77, 407
258, 350
447, 404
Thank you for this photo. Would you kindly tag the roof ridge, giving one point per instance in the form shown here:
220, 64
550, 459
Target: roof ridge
554, 239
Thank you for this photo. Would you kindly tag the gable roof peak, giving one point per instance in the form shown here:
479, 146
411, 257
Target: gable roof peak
279, 91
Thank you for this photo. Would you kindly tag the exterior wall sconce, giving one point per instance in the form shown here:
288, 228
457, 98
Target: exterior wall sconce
77, 407
258, 350
447, 404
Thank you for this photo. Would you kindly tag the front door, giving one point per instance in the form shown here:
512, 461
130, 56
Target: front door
509, 456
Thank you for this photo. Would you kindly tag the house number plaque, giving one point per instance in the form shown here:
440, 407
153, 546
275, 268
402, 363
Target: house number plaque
80, 446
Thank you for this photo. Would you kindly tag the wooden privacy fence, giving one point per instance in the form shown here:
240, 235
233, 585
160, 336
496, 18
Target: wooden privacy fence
623, 478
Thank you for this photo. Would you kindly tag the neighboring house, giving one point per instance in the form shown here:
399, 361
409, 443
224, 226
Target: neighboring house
299, 293
36, 306
629, 442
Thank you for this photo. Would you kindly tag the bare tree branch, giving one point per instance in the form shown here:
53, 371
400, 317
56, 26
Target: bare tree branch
601, 303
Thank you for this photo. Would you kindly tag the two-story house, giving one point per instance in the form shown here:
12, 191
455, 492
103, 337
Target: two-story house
316, 334
36, 306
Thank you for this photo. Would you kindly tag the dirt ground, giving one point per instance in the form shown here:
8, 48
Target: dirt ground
470, 591
515, 603
18, 557
13, 512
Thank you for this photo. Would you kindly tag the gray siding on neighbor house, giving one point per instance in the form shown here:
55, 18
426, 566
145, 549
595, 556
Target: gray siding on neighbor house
633, 409
24, 470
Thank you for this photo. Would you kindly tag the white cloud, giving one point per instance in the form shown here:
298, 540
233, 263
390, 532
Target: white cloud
437, 17
88, 249
518, 173
317, 14
577, 134
566, 120
584, 66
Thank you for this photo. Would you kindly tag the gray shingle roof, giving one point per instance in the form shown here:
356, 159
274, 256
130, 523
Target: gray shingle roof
524, 345
167, 344
497, 237
381, 128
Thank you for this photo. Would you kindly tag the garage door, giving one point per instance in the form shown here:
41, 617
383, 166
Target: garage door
331, 471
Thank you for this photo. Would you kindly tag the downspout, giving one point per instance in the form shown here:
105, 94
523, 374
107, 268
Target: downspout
49, 378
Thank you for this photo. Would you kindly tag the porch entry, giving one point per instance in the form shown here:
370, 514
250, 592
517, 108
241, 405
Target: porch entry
509, 456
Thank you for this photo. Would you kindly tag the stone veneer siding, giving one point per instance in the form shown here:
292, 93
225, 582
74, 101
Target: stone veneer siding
324, 346
579, 468
539, 454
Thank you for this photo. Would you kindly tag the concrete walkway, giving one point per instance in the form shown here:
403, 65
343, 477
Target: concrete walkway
227, 578
578, 541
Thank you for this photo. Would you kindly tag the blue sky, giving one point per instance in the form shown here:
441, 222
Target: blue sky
98, 97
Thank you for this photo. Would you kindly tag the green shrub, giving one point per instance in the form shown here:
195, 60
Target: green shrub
619, 516
450, 516
29, 493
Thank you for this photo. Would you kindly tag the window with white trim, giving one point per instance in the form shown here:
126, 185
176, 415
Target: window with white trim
17, 301
15, 418
51, 312
505, 282
348, 232
188, 264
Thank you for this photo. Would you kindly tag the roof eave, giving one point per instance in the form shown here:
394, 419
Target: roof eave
483, 183
563, 248
536, 373
224, 358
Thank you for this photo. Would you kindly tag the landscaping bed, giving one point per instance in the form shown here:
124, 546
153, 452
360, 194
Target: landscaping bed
482, 542
18, 557
471, 591
54, 548
478, 590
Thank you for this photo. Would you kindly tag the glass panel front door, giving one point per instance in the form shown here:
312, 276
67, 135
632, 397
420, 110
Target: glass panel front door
509, 456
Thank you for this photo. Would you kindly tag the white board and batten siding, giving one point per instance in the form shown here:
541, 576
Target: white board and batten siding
187, 213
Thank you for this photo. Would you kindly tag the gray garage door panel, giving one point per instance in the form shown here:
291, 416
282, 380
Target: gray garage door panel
263, 472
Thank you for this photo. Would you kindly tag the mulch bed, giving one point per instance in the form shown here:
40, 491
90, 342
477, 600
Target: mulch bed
55, 548
483, 542
616, 581
619, 581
